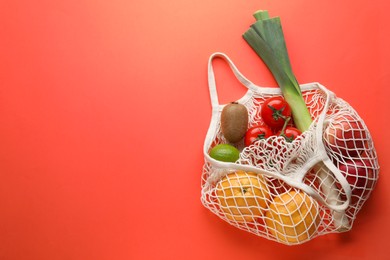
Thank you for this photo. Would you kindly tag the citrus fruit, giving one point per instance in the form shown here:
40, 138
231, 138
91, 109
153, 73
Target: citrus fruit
292, 217
242, 196
225, 153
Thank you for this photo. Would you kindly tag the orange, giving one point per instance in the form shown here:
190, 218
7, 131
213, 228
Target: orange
242, 196
293, 217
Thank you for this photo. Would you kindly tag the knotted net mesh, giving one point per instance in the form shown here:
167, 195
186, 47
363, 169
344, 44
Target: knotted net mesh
292, 192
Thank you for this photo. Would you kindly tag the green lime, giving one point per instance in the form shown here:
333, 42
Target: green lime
225, 153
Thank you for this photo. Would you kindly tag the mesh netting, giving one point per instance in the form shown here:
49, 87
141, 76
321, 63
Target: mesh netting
291, 192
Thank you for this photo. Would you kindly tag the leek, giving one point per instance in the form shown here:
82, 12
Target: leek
266, 38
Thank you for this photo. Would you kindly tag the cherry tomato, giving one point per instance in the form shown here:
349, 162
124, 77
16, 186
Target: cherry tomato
275, 111
256, 133
290, 133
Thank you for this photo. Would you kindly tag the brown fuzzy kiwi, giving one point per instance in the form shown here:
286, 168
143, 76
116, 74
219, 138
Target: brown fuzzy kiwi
234, 121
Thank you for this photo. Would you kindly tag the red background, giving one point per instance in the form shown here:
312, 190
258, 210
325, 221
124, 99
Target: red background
104, 107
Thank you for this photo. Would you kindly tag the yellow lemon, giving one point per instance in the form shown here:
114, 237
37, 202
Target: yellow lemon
293, 217
242, 196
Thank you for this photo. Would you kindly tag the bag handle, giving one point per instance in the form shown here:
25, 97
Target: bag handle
211, 78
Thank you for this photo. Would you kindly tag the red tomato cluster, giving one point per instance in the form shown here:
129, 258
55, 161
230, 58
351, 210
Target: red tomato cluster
276, 114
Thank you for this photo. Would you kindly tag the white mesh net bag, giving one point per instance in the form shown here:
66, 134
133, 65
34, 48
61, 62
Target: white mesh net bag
291, 192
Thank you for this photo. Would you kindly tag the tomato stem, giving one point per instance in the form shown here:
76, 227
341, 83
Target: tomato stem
260, 136
282, 132
277, 113
286, 121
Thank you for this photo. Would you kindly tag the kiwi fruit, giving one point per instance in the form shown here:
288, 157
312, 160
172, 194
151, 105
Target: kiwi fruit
234, 121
